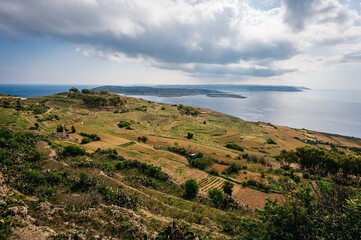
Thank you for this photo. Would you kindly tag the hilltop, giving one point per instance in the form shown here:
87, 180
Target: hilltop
91, 164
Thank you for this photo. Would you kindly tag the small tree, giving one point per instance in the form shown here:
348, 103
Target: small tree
73, 130
18, 105
59, 128
191, 188
189, 135
216, 196
143, 139
228, 187
73, 90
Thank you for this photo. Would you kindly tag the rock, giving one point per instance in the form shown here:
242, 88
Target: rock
19, 211
45, 206
2, 191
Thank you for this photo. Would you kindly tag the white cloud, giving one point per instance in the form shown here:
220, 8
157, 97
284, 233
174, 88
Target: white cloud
229, 38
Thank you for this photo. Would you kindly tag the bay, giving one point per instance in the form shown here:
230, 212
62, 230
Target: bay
337, 112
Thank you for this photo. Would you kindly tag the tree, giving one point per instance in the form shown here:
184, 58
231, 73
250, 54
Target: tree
74, 90
191, 188
189, 135
59, 128
228, 187
216, 196
18, 105
143, 139
73, 130
328, 214
73, 150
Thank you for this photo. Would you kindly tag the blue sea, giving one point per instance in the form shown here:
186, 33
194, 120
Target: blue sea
331, 111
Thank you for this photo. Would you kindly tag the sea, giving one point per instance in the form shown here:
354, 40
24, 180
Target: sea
331, 111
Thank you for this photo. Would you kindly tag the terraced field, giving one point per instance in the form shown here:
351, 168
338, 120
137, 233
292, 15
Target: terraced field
210, 182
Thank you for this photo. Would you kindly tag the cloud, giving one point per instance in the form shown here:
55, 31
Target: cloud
300, 13
220, 38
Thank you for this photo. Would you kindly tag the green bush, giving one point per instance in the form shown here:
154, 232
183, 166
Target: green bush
85, 140
92, 136
216, 196
271, 141
233, 168
73, 151
201, 163
191, 188
234, 147
53, 178
124, 124
189, 135
228, 187
143, 139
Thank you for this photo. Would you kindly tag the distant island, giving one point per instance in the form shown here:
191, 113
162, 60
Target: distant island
225, 95
241, 87
166, 91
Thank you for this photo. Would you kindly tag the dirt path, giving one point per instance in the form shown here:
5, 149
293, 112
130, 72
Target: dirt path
47, 112
170, 126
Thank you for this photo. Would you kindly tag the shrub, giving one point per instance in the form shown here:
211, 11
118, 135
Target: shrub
233, 168
35, 156
85, 140
271, 141
188, 110
74, 90
53, 178
124, 124
228, 187
92, 136
143, 139
216, 197
200, 163
84, 183
189, 135
59, 128
73, 150
73, 130
234, 147
111, 153
191, 188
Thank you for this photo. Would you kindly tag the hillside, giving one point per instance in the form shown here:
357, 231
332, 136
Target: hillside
94, 165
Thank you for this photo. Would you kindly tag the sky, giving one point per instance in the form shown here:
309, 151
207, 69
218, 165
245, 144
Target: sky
312, 43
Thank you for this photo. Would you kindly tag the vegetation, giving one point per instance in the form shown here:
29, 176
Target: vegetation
216, 196
234, 147
73, 150
331, 214
271, 141
189, 135
320, 162
228, 187
143, 139
124, 124
143, 191
188, 110
92, 136
191, 188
